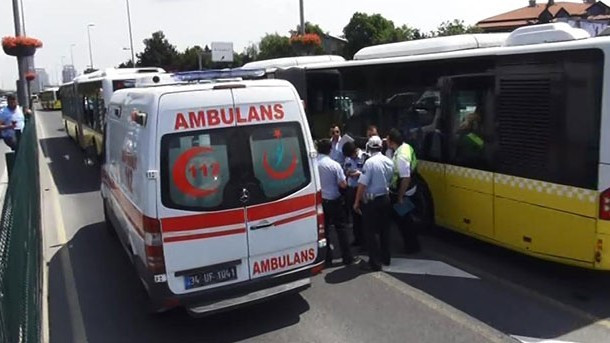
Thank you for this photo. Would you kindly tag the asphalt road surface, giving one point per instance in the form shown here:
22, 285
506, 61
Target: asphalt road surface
456, 290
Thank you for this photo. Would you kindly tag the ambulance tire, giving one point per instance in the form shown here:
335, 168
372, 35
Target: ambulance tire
423, 215
109, 227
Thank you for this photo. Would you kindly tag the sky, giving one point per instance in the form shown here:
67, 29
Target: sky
61, 23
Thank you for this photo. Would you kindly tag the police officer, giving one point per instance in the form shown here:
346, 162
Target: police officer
354, 162
373, 193
332, 179
405, 164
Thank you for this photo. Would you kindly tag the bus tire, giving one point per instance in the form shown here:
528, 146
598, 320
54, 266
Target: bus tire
423, 214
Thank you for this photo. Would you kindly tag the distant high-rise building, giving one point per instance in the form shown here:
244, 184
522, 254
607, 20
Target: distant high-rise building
40, 82
68, 73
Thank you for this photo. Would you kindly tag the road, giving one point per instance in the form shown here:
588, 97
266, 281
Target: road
456, 290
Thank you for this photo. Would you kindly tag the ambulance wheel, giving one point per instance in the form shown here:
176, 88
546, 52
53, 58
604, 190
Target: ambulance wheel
108, 222
423, 214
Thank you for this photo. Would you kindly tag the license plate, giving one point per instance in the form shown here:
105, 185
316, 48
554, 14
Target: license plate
210, 277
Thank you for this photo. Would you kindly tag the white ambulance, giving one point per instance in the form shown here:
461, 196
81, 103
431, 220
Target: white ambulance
213, 190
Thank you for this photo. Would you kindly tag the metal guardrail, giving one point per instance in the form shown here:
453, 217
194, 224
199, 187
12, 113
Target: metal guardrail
20, 246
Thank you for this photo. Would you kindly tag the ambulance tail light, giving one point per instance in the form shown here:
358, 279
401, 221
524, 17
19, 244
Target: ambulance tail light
153, 245
320, 220
604, 205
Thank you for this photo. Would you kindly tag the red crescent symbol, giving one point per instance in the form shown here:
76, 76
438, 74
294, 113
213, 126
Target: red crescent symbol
179, 173
280, 175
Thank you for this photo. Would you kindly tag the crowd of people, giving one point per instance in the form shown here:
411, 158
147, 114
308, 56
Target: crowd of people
368, 186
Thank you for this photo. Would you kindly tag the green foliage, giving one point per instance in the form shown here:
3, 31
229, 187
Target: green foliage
455, 27
158, 52
366, 30
309, 28
274, 46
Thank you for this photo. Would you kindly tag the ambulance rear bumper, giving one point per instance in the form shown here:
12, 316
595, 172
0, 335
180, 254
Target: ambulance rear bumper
227, 297
251, 298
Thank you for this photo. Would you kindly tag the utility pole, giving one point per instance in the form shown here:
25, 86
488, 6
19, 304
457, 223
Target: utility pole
302, 17
21, 61
89, 26
133, 54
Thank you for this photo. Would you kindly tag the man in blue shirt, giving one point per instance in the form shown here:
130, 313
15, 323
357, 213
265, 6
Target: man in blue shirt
332, 179
11, 119
354, 162
373, 193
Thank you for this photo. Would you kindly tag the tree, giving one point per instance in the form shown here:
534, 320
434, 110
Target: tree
158, 52
408, 33
274, 46
366, 30
126, 64
309, 28
455, 27
189, 59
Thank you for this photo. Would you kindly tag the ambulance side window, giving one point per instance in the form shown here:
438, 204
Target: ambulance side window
279, 159
196, 170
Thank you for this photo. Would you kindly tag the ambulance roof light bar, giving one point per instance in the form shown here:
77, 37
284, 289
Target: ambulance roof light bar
216, 74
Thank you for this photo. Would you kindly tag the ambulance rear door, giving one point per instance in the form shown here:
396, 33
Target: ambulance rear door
202, 218
278, 180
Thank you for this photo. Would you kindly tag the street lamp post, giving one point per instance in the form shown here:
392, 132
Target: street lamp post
90, 52
133, 58
302, 17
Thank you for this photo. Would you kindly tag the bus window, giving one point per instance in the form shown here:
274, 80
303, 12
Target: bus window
470, 111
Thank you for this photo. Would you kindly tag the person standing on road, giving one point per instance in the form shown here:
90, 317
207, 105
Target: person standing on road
354, 162
373, 193
332, 180
11, 119
335, 137
403, 187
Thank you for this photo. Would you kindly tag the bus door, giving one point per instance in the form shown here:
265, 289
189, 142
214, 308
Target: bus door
468, 106
324, 104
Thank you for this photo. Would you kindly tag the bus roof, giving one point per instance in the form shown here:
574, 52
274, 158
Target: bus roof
116, 73
528, 35
529, 39
287, 62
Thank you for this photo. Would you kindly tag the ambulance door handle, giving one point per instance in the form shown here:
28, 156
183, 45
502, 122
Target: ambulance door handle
263, 225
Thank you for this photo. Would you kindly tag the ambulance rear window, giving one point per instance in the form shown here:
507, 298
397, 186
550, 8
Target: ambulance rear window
209, 169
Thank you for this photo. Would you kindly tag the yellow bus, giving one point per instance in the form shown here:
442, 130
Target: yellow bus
85, 100
512, 130
49, 99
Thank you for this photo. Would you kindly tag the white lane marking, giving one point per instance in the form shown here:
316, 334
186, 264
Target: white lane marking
425, 267
537, 340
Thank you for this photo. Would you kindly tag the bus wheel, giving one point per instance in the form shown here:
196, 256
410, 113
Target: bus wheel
423, 214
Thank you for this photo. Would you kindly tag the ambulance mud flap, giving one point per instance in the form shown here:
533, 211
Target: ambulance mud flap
251, 298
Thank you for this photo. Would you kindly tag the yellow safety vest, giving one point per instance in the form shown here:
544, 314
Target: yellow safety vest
406, 152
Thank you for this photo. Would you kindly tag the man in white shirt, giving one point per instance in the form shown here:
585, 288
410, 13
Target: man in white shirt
11, 119
354, 162
335, 150
332, 180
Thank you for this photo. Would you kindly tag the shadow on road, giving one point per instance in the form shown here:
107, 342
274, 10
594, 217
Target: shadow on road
516, 294
96, 296
67, 164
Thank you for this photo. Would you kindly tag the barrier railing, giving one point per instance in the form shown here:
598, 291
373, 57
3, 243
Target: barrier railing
20, 246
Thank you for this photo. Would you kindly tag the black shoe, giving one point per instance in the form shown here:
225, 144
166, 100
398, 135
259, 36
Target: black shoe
356, 244
354, 261
386, 262
367, 267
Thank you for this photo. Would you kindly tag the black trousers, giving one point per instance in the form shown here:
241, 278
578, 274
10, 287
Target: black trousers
350, 196
407, 229
377, 230
334, 214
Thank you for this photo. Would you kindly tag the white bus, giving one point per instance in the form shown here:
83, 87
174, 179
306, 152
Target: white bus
512, 131
85, 100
